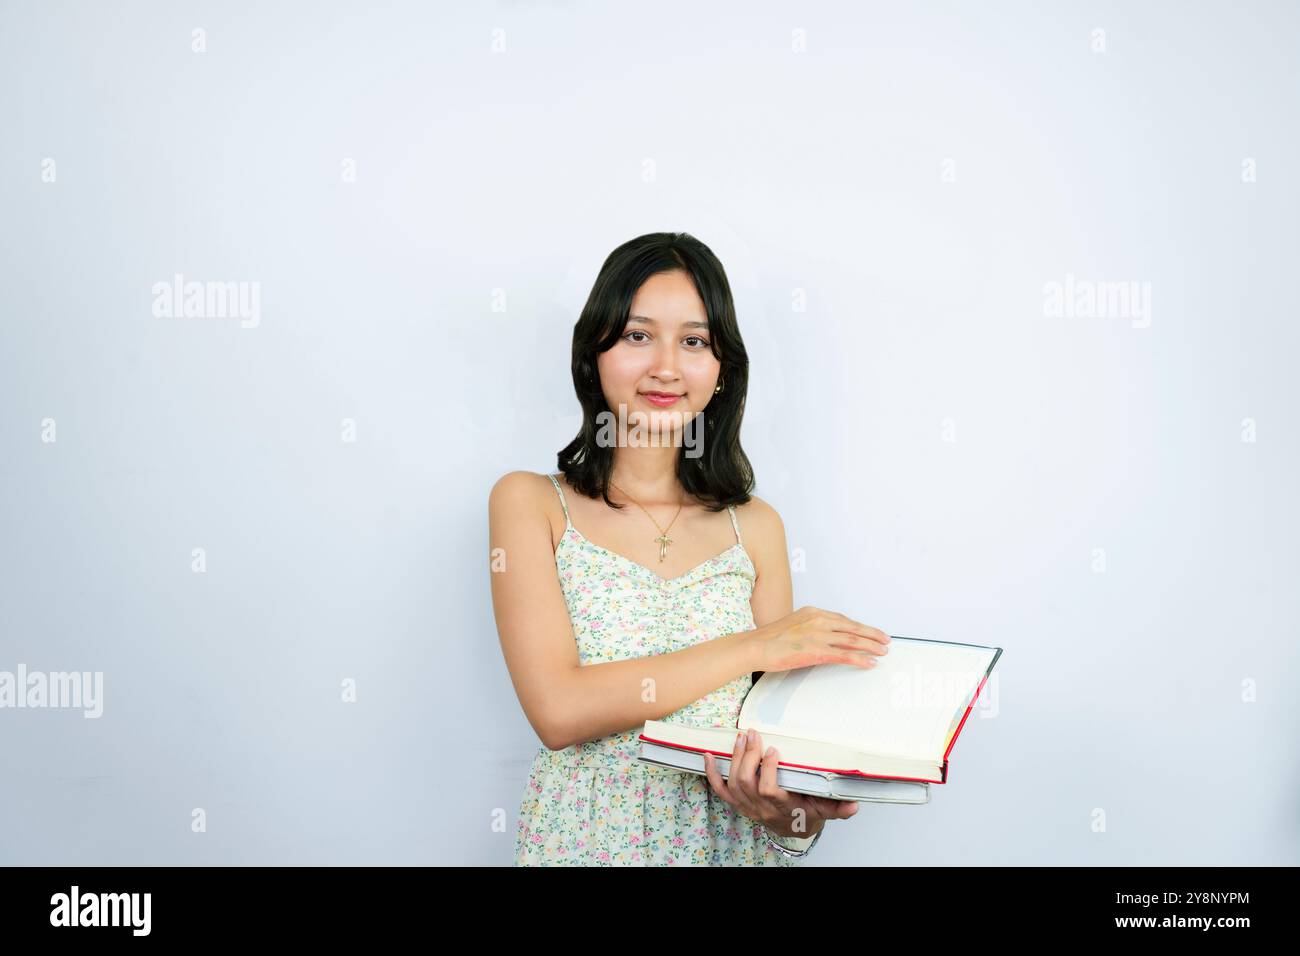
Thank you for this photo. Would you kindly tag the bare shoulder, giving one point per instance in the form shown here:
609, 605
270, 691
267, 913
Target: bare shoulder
516, 485
761, 522
519, 495
758, 510
524, 501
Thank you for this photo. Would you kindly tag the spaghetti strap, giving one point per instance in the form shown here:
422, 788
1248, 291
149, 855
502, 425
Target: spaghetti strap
564, 504
731, 509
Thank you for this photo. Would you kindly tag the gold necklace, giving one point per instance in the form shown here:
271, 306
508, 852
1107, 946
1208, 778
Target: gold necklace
663, 539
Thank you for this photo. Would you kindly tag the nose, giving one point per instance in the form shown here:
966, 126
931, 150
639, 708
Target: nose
664, 368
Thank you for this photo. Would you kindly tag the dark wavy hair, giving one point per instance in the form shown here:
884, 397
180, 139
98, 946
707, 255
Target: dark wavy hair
722, 475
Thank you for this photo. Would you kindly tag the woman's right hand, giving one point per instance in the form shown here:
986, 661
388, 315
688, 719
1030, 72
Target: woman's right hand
813, 636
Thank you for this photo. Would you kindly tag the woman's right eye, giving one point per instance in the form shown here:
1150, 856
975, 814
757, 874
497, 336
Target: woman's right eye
634, 332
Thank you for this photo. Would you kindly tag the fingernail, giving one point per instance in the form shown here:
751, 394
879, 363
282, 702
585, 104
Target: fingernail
752, 735
740, 739
770, 751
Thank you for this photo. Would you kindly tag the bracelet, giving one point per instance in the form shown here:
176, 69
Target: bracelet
789, 852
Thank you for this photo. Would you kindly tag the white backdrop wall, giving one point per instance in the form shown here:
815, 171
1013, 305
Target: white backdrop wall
230, 518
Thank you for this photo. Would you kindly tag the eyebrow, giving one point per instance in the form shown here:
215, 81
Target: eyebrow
649, 321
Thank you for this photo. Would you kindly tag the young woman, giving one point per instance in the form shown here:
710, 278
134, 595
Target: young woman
624, 594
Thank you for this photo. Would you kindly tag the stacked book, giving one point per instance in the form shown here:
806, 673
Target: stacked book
881, 734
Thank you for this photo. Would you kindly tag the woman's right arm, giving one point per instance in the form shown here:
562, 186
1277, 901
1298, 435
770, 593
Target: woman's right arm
565, 702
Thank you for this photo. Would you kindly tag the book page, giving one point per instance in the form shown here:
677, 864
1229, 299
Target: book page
907, 705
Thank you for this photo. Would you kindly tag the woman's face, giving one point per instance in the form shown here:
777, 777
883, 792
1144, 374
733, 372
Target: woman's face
665, 348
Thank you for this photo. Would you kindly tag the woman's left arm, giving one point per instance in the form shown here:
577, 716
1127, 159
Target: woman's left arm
764, 536
772, 599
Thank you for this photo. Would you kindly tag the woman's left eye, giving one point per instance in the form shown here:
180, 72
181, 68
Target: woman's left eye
704, 343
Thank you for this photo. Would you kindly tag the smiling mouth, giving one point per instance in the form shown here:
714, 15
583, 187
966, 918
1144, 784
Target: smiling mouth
660, 398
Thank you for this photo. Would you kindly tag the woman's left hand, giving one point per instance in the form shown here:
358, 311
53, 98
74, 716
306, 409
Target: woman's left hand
751, 789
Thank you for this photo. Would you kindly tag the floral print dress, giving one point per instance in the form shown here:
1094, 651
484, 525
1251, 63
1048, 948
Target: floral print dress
594, 803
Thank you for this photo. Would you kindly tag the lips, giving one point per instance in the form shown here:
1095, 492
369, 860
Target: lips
660, 398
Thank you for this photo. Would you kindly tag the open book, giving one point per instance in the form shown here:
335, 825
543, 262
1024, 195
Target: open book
880, 734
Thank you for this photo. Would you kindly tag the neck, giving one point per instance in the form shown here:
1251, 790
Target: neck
648, 474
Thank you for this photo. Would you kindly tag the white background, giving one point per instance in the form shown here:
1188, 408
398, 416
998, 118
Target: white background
823, 171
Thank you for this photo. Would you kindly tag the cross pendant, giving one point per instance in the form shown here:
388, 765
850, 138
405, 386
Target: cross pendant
664, 542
